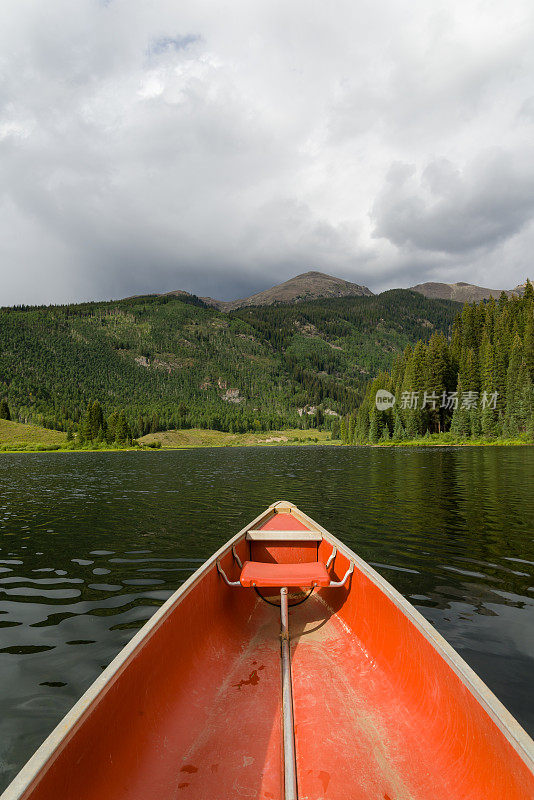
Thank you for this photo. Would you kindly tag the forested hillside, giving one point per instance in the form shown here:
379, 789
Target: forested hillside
172, 362
478, 383
350, 338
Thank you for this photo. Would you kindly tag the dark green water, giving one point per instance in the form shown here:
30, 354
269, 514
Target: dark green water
91, 544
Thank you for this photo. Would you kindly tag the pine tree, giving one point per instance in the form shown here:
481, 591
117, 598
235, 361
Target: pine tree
4, 410
511, 427
512, 398
398, 430
529, 337
122, 432
460, 422
487, 373
468, 373
416, 381
468, 327
86, 431
335, 429
475, 423
503, 299
456, 340
437, 370
385, 434
524, 396
351, 428
501, 351
373, 426
412, 431
95, 421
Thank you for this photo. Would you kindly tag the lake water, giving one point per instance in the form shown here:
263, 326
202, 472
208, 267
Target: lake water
92, 543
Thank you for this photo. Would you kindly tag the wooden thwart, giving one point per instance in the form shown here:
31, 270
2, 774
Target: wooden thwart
283, 536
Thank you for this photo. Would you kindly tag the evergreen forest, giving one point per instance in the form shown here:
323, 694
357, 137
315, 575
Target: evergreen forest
479, 382
118, 370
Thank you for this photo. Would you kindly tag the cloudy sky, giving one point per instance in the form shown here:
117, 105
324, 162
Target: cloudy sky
151, 145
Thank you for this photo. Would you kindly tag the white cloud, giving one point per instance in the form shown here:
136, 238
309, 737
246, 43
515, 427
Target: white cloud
146, 147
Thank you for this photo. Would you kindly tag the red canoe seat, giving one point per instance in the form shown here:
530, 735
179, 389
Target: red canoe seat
258, 573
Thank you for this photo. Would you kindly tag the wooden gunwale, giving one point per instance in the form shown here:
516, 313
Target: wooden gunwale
45, 755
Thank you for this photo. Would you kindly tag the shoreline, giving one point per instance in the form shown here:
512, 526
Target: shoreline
327, 443
18, 438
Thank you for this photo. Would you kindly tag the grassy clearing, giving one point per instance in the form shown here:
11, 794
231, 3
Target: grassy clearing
16, 436
198, 437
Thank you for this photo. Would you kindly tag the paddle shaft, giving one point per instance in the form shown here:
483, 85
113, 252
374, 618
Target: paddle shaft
290, 771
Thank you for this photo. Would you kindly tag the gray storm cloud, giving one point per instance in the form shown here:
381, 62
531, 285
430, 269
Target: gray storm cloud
451, 211
149, 147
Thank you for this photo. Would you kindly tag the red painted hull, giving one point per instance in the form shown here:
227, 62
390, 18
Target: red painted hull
383, 707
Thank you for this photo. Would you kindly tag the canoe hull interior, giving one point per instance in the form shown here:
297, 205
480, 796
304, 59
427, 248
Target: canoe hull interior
192, 708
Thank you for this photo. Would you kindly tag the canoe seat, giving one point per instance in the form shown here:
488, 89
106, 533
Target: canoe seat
259, 573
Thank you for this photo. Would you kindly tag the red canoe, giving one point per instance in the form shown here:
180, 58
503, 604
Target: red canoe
215, 699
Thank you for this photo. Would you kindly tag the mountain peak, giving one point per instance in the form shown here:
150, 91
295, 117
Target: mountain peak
313, 273
307, 286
